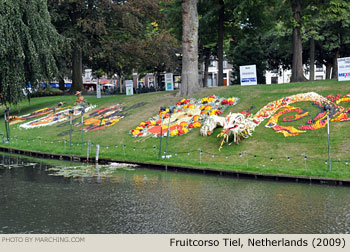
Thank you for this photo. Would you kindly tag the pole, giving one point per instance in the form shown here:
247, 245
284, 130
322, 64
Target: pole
161, 131
7, 126
97, 153
88, 152
70, 130
246, 153
168, 132
329, 144
82, 132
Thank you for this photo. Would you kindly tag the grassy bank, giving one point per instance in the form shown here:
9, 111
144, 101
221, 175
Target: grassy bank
265, 152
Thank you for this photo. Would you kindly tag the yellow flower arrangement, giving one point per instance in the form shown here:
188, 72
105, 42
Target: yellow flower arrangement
174, 133
183, 124
196, 124
191, 106
213, 112
135, 132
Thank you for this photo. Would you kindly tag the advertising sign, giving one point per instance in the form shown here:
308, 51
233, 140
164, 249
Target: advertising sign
344, 69
169, 84
98, 90
129, 85
248, 75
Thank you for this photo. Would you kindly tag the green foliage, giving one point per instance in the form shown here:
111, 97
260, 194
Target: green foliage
116, 36
29, 45
41, 92
248, 52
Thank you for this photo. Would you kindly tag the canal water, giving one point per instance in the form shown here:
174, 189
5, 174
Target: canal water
148, 201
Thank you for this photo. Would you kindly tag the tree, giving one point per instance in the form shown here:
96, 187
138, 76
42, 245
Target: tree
335, 24
83, 22
297, 64
221, 43
115, 36
189, 76
29, 45
253, 28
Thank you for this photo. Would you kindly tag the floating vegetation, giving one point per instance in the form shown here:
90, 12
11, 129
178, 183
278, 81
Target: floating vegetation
17, 165
85, 171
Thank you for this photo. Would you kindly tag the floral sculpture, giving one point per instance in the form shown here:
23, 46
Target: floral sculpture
241, 125
187, 114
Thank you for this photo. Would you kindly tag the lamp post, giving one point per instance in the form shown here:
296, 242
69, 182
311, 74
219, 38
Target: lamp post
82, 126
327, 108
162, 109
7, 126
171, 110
71, 112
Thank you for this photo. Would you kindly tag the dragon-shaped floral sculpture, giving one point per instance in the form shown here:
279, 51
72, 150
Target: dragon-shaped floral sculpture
241, 125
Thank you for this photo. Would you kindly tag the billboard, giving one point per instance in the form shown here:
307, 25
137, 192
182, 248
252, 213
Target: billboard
344, 69
129, 86
248, 75
169, 83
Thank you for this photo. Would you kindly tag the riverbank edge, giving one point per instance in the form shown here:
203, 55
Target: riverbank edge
183, 168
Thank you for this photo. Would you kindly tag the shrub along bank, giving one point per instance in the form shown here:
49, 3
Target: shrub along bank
264, 152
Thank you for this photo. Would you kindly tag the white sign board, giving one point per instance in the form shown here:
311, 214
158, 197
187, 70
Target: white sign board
344, 69
248, 75
169, 83
129, 86
98, 90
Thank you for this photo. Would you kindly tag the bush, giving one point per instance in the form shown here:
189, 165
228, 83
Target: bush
47, 92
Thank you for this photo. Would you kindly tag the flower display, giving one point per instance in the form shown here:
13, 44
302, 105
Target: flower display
55, 117
36, 114
335, 113
188, 114
106, 117
241, 125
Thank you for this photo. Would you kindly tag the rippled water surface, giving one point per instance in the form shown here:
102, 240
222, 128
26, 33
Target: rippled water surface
148, 201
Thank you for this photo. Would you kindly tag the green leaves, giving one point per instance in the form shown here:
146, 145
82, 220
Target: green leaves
29, 45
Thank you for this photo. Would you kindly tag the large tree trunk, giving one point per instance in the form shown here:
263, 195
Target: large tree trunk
200, 72
312, 59
189, 74
335, 64
221, 43
77, 81
206, 67
297, 65
61, 84
328, 71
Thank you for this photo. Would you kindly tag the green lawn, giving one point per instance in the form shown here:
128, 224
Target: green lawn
265, 152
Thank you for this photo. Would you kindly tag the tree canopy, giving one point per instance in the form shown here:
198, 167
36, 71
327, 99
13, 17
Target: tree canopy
29, 47
145, 36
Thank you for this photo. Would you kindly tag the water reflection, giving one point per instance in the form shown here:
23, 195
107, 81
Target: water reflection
147, 201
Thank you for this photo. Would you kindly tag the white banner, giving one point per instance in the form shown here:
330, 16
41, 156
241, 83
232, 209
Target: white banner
169, 83
129, 85
344, 69
248, 75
